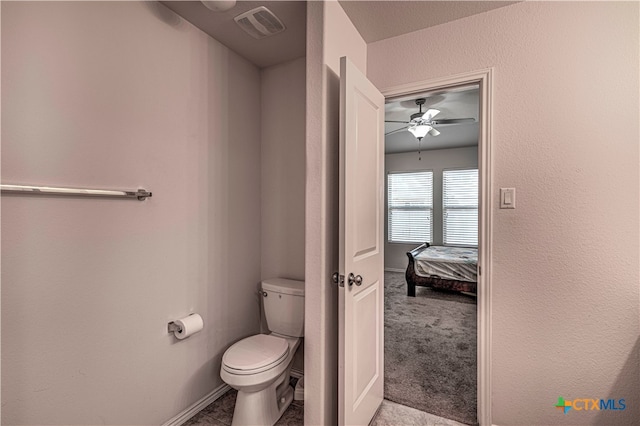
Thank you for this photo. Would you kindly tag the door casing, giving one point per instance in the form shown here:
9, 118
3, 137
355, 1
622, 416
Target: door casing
484, 78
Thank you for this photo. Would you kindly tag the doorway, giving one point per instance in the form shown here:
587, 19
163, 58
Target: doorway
458, 84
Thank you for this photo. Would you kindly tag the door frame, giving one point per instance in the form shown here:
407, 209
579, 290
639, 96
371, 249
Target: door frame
484, 78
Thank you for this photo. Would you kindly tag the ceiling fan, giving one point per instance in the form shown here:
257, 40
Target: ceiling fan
421, 124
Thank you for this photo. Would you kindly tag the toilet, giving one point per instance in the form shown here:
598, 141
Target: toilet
258, 366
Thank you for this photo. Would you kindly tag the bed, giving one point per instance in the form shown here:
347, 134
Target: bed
446, 268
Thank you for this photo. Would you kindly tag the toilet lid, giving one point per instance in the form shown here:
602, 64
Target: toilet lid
259, 352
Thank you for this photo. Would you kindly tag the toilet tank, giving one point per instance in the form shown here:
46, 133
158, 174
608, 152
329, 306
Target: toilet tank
283, 303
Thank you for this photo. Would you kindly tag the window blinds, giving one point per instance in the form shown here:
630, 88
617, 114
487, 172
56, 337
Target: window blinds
460, 205
410, 207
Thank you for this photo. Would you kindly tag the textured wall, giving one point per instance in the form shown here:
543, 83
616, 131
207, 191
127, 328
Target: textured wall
123, 95
565, 302
437, 160
330, 35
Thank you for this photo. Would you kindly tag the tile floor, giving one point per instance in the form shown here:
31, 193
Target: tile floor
392, 414
220, 413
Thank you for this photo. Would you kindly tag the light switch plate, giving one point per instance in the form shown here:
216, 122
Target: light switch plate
507, 198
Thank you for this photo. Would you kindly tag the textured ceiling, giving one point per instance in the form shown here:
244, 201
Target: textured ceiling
282, 47
377, 20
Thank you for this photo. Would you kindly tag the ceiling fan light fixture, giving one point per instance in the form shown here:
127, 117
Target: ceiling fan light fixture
420, 131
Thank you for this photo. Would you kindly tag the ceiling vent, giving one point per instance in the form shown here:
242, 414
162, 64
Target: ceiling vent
260, 22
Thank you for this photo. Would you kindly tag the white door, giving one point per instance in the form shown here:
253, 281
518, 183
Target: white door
361, 299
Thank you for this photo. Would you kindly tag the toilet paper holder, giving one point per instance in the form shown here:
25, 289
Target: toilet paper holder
172, 327
186, 326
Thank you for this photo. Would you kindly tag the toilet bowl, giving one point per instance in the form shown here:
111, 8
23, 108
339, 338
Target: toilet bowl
259, 366
261, 377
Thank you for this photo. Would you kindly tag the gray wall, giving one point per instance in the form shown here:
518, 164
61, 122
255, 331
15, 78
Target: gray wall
123, 95
283, 170
564, 286
395, 257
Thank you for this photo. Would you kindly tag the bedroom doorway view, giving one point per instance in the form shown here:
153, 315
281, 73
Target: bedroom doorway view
431, 251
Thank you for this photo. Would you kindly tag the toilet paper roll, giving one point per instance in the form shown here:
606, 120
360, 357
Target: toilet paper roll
188, 326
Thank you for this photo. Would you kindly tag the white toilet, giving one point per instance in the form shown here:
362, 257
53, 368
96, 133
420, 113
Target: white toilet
258, 366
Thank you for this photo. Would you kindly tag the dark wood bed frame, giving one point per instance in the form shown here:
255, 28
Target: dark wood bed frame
433, 281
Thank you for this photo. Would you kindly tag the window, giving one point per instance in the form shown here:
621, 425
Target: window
410, 207
460, 207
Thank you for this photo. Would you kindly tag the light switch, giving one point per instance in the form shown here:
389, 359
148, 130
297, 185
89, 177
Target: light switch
507, 198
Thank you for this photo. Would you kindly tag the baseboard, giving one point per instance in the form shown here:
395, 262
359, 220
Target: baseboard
198, 406
394, 270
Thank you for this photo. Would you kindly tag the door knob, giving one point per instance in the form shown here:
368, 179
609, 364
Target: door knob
355, 279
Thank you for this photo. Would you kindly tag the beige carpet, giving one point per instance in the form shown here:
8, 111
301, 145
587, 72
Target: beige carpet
430, 350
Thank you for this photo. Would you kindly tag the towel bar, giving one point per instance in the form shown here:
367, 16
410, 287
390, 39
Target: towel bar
140, 194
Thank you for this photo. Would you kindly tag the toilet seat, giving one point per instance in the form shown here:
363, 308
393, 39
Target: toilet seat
255, 354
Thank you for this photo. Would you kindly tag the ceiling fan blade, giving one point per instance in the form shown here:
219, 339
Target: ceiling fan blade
433, 132
453, 121
394, 121
428, 116
396, 131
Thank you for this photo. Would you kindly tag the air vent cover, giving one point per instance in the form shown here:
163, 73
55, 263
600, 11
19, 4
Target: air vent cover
260, 22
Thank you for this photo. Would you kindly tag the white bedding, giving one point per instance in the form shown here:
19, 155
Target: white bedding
452, 263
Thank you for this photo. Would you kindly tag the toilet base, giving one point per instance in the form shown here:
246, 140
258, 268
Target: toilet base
264, 407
